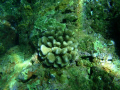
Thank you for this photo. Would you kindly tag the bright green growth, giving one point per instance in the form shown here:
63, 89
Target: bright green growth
43, 22
99, 46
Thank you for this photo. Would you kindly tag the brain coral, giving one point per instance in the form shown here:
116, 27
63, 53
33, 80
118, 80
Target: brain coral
57, 48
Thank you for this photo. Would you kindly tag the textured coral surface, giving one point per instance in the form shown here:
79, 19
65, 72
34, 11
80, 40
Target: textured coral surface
57, 48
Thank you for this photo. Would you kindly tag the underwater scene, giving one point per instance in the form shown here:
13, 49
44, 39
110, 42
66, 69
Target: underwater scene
59, 44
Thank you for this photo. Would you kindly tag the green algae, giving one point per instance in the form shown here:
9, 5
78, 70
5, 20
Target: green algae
2, 49
34, 17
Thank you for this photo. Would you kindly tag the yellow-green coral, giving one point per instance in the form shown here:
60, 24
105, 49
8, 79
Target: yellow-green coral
57, 48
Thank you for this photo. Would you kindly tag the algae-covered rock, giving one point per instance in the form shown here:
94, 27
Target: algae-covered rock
2, 49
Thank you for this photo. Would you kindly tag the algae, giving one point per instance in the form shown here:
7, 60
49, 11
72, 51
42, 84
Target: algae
92, 28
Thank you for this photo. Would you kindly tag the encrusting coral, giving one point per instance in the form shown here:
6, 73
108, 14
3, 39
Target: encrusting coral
57, 48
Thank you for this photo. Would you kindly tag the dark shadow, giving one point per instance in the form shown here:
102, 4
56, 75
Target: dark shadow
115, 33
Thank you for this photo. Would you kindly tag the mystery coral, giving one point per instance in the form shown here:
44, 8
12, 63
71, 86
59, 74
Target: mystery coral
57, 48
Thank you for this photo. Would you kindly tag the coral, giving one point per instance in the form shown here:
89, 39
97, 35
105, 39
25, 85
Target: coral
45, 50
57, 48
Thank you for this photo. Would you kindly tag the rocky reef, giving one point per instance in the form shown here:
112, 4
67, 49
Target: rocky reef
59, 45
